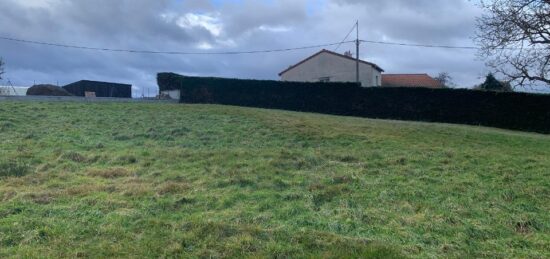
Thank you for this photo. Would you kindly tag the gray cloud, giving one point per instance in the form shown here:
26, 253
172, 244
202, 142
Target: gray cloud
191, 25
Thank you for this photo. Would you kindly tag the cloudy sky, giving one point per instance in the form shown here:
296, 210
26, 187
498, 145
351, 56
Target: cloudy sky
227, 25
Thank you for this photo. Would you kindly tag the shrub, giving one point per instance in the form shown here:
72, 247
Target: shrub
101, 89
492, 84
47, 90
517, 111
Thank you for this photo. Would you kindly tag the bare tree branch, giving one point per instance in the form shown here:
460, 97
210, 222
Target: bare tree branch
1, 68
515, 39
445, 79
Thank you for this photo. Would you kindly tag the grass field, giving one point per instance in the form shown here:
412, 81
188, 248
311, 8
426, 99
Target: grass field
168, 180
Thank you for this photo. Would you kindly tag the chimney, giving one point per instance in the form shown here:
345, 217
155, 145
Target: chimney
348, 54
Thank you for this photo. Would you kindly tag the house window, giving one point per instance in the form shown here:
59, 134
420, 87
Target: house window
324, 79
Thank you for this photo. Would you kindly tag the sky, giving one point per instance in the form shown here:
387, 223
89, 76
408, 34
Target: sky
228, 25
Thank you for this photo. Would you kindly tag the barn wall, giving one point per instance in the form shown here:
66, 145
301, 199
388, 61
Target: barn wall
174, 94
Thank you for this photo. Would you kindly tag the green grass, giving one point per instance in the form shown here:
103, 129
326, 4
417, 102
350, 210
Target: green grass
167, 180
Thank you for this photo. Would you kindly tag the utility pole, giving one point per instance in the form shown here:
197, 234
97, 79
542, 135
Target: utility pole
357, 59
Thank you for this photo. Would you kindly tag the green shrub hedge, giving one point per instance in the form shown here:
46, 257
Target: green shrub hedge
101, 89
516, 111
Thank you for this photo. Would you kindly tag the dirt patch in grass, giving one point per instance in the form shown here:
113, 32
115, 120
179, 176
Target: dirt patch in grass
343, 179
526, 227
7, 195
122, 137
135, 189
42, 198
126, 160
172, 188
74, 156
322, 194
343, 158
45, 167
85, 189
110, 173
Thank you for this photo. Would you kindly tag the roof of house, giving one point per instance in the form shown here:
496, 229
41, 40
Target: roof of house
410, 80
333, 53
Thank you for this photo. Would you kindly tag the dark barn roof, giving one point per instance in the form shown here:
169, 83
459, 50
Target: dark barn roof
101, 89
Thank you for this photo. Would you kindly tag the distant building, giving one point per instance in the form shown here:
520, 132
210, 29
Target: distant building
410, 80
99, 89
328, 66
13, 90
170, 94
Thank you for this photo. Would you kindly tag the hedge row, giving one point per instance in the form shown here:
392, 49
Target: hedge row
516, 111
101, 89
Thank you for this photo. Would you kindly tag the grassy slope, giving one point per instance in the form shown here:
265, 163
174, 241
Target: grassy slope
178, 180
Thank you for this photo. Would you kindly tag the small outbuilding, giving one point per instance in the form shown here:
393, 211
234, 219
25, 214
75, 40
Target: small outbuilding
99, 89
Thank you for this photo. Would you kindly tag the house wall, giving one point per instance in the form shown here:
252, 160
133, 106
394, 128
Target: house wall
174, 94
9, 91
336, 68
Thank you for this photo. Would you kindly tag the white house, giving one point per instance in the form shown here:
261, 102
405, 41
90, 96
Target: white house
173, 94
13, 90
329, 66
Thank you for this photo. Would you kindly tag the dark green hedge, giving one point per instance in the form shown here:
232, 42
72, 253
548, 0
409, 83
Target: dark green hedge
516, 111
47, 90
101, 89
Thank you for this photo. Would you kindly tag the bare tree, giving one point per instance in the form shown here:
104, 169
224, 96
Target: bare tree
515, 39
1, 68
445, 79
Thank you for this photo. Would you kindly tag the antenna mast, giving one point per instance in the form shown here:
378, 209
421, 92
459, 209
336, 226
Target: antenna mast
12, 87
357, 59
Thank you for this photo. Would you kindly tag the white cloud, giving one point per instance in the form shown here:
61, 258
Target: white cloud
210, 22
274, 28
37, 3
204, 45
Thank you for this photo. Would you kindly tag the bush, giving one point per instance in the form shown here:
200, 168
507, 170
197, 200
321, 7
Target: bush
101, 89
492, 84
47, 90
517, 111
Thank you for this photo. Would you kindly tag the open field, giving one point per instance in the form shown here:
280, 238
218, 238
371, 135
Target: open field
165, 180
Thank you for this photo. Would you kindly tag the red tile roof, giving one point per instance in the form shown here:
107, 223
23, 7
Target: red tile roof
333, 53
409, 80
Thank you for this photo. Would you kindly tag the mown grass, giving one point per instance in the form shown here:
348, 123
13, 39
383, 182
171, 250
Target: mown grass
163, 180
